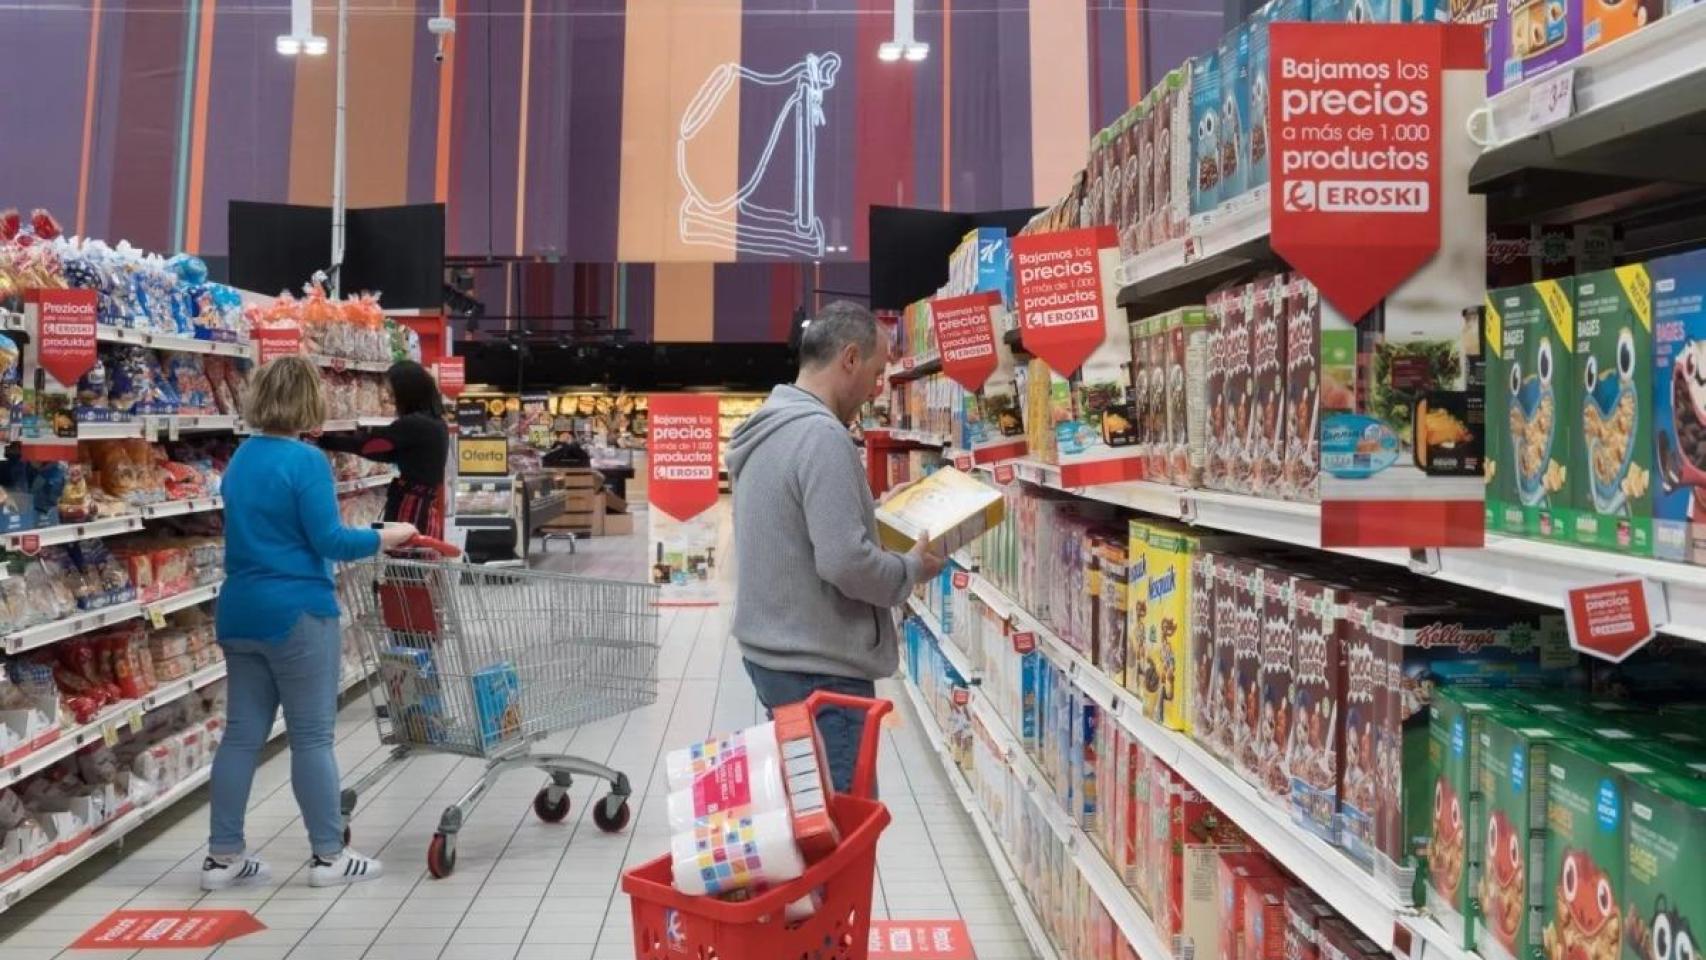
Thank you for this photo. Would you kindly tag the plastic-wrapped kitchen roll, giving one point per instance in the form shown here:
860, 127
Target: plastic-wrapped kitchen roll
688, 763
748, 784
724, 854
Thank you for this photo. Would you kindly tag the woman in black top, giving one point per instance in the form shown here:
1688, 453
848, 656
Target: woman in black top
418, 442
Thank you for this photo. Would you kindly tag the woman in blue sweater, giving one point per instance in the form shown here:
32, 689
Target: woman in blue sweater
278, 624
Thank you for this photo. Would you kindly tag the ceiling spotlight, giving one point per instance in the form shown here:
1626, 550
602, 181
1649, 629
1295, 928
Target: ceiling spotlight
290, 46
905, 43
301, 38
889, 52
316, 47
916, 52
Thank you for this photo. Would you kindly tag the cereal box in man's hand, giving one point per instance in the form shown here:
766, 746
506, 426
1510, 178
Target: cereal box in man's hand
952, 508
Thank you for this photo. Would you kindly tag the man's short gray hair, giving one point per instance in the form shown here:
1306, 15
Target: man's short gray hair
835, 326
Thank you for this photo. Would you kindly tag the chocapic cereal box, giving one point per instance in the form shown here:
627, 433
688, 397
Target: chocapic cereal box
1201, 707
1277, 675
1317, 753
1679, 406
1267, 441
1454, 847
1187, 419
1515, 778
1582, 892
1664, 889
1531, 338
1612, 466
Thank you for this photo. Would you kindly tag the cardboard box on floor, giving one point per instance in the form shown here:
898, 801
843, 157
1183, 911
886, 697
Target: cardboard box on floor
953, 508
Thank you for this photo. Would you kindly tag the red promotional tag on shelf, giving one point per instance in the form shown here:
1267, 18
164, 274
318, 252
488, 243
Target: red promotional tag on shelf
167, 929
1024, 642
907, 363
962, 462
1063, 313
452, 376
919, 939
65, 325
965, 336
962, 579
275, 342
682, 449
1004, 473
962, 696
1613, 620
1355, 199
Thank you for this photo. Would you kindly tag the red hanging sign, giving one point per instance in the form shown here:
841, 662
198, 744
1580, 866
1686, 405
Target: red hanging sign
275, 342
682, 448
167, 929
913, 939
1063, 309
965, 336
452, 376
1355, 199
1613, 620
65, 325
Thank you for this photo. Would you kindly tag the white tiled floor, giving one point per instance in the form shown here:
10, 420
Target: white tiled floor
522, 889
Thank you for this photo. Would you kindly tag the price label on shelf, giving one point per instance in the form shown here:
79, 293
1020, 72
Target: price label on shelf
1613, 620
962, 696
1552, 99
136, 721
1024, 642
962, 579
157, 618
1004, 473
962, 462
109, 734
907, 363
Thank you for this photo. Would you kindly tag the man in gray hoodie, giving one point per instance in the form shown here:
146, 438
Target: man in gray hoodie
816, 592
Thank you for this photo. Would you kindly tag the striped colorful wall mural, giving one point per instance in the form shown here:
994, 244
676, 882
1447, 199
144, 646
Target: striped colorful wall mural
667, 135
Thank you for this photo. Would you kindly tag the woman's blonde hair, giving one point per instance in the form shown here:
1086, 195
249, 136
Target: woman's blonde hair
285, 397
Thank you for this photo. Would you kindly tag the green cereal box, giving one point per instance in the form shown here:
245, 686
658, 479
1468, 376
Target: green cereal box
1582, 889
1515, 769
1454, 850
1664, 884
1531, 335
1611, 462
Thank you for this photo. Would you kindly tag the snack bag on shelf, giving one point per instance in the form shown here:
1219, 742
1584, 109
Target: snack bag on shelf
1515, 770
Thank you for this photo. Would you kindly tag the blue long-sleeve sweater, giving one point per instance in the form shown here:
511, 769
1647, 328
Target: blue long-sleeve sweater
282, 534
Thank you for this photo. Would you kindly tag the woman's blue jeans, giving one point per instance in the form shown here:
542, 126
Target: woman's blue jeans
299, 673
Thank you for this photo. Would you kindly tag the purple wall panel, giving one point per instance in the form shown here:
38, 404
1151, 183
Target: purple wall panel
41, 116
248, 145
1013, 88
975, 107
741, 313
927, 108
592, 172
145, 161
1174, 33
470, 140
423, 110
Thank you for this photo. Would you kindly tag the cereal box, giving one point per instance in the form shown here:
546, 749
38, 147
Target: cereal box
1611, 467
1267, 438
1317, 752
1304, 913
1236, 874
1166, 623
1582, 890
1237, 391
1263, 921
1679, 405
1454, 844
1534, 328
1246, 703
1142, 332
1233, 60
1143, 172
1111, 653
1365, 675
1278, 647
1606, 20
1173, 154
1515, 774
1320, 378
1217, 465
1156, 357
1202, 704
1182, 823
1529, 37
1187, 422
1206, 139
949, 506
1341, 941
1663, 890
1232, 602
1135, 197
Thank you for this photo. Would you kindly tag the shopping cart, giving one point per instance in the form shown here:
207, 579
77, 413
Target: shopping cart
481, 663
669, 924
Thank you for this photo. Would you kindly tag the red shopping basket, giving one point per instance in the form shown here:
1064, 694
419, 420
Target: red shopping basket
669, 925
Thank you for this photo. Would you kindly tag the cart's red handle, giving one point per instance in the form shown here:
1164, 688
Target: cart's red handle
440, 547
865, 770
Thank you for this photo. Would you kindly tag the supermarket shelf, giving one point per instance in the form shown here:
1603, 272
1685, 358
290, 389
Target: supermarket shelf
912, 368
1326, 870
179, 508
54, 631
357, 366
364, 483
1023, 912
956, 657
344, 426
1628, 96
22, 886
1160, 499
167, 341
108, 724
72, 532
1223, 241
161, 428
920, 437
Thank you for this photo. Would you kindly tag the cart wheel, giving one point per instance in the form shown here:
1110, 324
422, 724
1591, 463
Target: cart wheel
611, 824
441, 856
548, 811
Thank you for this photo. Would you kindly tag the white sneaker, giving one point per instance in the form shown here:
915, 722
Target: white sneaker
347, 867
217, 874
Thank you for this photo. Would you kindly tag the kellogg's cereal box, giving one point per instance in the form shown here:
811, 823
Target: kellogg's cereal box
1202, 705
1304, 913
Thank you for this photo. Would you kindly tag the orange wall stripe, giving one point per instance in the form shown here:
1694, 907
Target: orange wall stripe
1133, 51
1060, 111
381, 80
311, 117
683, 299
88, 118
446, 91
198, 127
521, 145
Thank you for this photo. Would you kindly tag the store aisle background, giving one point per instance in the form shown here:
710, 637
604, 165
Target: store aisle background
522, 889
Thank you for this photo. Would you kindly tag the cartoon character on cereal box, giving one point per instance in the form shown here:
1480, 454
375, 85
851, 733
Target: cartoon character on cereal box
1533, 421
1665, 937
1586, 924
1503, 882
1611, 420
1446, 845
1682, 448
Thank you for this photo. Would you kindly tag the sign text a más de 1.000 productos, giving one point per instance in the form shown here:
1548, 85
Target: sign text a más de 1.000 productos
965, 337
682, 448
1059, 293
1357, 110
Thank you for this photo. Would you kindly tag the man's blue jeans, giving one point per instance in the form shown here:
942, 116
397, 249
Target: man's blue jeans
299, 673
839, 727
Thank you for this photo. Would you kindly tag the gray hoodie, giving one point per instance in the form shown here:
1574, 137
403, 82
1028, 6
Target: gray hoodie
815, 590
